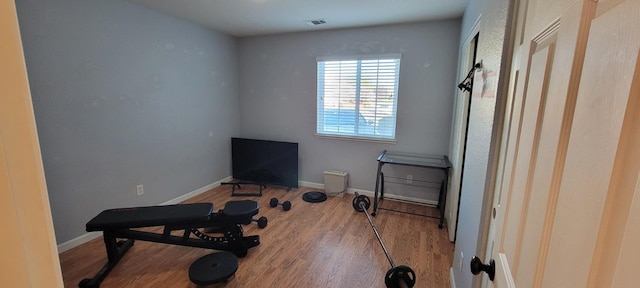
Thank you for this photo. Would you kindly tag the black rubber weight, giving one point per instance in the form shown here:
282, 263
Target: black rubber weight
314, 196
213, 268
400, 276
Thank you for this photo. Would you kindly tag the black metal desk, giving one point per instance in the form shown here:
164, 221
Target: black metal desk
415, 160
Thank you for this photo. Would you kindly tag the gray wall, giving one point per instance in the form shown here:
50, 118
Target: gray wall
278, 93
126, 96
479, 139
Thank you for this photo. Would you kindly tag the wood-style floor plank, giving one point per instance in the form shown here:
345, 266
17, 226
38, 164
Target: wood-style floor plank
324, 244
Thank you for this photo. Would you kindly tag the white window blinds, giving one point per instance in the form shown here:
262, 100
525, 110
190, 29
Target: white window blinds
358, 96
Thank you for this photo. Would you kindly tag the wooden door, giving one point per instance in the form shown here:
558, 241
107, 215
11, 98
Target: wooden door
28, 254
566, 206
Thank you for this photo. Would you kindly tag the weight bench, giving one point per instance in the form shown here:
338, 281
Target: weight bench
120, 223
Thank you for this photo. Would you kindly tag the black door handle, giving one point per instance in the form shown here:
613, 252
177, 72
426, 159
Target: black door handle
477, 266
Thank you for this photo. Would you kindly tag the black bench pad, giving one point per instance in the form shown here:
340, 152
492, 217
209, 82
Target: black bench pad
241, 208
150, 216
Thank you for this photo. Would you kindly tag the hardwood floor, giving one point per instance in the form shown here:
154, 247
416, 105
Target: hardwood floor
324, 244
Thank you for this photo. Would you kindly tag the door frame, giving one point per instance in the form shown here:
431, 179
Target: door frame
497, 151
459, 125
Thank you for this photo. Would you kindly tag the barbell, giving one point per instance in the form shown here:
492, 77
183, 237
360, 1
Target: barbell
401, 276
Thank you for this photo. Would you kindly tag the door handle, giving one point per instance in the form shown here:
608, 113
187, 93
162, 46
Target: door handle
477, 266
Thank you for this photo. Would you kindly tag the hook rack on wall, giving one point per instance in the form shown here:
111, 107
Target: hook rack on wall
466, 84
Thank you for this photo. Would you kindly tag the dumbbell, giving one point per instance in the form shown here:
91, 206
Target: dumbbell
286, 205
262, 222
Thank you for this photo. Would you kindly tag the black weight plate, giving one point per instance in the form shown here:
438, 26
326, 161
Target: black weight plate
314, 197
400, 274
361, 199
213, 268
273, 202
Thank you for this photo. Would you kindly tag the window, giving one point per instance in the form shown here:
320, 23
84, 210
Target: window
358, 96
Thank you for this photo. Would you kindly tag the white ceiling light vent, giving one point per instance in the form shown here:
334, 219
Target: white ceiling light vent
315, 22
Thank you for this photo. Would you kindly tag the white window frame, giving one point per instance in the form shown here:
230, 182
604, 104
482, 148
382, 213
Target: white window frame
374, 135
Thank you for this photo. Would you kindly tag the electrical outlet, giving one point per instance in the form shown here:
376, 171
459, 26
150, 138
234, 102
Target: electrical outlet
461, 260
140, 189
409, 178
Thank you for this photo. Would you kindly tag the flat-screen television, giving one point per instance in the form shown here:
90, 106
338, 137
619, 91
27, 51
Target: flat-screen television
265, 162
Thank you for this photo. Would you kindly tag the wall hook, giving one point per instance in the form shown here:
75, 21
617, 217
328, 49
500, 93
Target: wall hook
467, 83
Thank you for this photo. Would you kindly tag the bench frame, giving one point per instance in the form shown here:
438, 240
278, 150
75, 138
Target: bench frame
230, 226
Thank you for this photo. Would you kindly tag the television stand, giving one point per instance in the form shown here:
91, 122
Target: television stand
236, 184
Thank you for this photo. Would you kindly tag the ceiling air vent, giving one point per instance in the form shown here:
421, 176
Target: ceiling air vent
315, 22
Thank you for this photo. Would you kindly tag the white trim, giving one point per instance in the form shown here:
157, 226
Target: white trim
474, 30
452, 280
397, 56
372, 193
455, 186
356, 138
93, 235
311, 185
197, 191
78, 241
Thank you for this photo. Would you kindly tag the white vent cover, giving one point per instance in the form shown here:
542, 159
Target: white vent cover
316, 22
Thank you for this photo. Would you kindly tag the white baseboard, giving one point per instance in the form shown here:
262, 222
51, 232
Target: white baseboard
452, 280
394, 196
321, 186
371, 193
311, 185
197, 191
93, 235
78, 241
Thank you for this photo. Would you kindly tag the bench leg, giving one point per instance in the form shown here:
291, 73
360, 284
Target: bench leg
115, 252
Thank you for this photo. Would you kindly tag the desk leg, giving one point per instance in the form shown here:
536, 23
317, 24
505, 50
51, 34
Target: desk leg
381, 185
375, 196
442, 202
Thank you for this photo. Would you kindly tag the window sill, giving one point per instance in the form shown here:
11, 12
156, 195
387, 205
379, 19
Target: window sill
355, 138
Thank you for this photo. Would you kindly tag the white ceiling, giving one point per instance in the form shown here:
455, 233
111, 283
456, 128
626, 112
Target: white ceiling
260, 17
